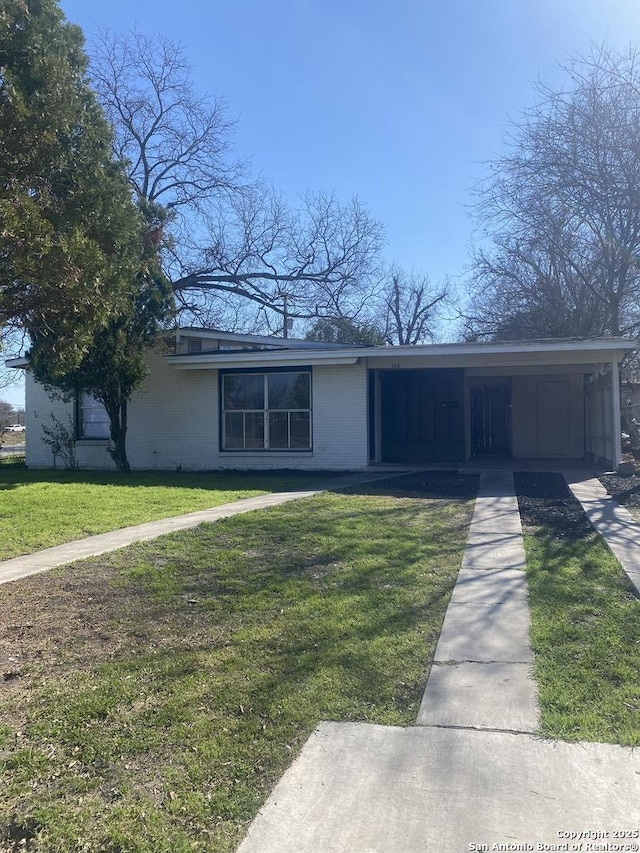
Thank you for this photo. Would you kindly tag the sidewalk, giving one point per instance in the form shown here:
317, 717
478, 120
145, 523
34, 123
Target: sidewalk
614, 523
481, 673
471, 775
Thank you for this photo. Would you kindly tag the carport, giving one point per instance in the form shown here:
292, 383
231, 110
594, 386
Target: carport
451, 403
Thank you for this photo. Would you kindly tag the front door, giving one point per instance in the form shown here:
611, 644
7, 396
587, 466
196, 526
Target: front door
422, 415
490, 420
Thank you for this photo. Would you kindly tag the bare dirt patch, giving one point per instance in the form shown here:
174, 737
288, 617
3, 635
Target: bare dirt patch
434, 485
57, 623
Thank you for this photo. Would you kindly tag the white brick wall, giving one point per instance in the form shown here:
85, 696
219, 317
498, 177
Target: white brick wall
174, 422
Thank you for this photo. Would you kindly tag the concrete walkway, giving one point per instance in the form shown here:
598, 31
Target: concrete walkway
614, 523
92, 546
471, 775
481, 674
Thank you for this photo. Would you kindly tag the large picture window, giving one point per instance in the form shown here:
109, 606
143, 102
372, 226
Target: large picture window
266, 411
92, 420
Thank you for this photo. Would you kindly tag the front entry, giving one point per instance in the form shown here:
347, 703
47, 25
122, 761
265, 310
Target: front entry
490, 419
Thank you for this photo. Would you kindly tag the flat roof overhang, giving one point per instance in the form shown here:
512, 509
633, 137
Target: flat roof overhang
587, 352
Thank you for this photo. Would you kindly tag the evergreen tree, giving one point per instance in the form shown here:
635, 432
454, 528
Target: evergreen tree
69, 230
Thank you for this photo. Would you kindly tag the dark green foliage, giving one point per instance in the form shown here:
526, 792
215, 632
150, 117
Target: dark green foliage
70, 232
342, 330
79, 268
115, 365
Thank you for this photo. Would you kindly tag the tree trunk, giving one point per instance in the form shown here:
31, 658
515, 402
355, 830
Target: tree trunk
118, 429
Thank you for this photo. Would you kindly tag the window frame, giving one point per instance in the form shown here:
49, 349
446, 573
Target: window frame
79, 420
265, 411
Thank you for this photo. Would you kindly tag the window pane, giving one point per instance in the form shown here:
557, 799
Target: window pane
289, 391
254, 430
243, 392
278, 429
300, 430
94, 421
233, 430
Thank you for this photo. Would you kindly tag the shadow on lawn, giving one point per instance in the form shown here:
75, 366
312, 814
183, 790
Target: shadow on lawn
434, 485
569, 571
12, 476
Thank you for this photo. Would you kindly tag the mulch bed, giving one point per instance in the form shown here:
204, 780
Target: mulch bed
425, 484
545, 500
626, 490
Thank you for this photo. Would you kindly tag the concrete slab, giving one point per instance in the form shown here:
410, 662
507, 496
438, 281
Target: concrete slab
499, 696
486, 633
495, 533
501, 522
490, 586
496, 483
614, 523
497, 501
507, 554
480, 534
374, 789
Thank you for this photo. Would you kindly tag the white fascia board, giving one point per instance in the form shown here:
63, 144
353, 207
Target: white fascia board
607, 345
265, 358
584, 352
20, 362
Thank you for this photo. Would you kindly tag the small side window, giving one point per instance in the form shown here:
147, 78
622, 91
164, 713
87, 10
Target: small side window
92, 421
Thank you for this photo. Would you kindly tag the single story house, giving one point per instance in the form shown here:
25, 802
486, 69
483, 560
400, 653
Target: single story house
222, 400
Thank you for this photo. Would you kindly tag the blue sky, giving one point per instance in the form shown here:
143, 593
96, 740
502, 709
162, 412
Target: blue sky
398, 103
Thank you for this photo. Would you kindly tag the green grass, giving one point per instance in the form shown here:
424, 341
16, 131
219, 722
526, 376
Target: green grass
43, 508
586, 640
170, 684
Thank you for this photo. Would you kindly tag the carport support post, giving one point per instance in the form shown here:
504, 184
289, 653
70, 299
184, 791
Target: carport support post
617, 413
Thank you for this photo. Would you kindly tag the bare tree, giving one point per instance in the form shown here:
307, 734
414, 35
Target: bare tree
176, 144
7, 414
562, 206
411, 306
13, 341
317, 260
523, 291
227, 241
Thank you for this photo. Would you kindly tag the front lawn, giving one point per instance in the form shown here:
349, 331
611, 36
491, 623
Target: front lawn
585, 620
153, 697
43, 508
